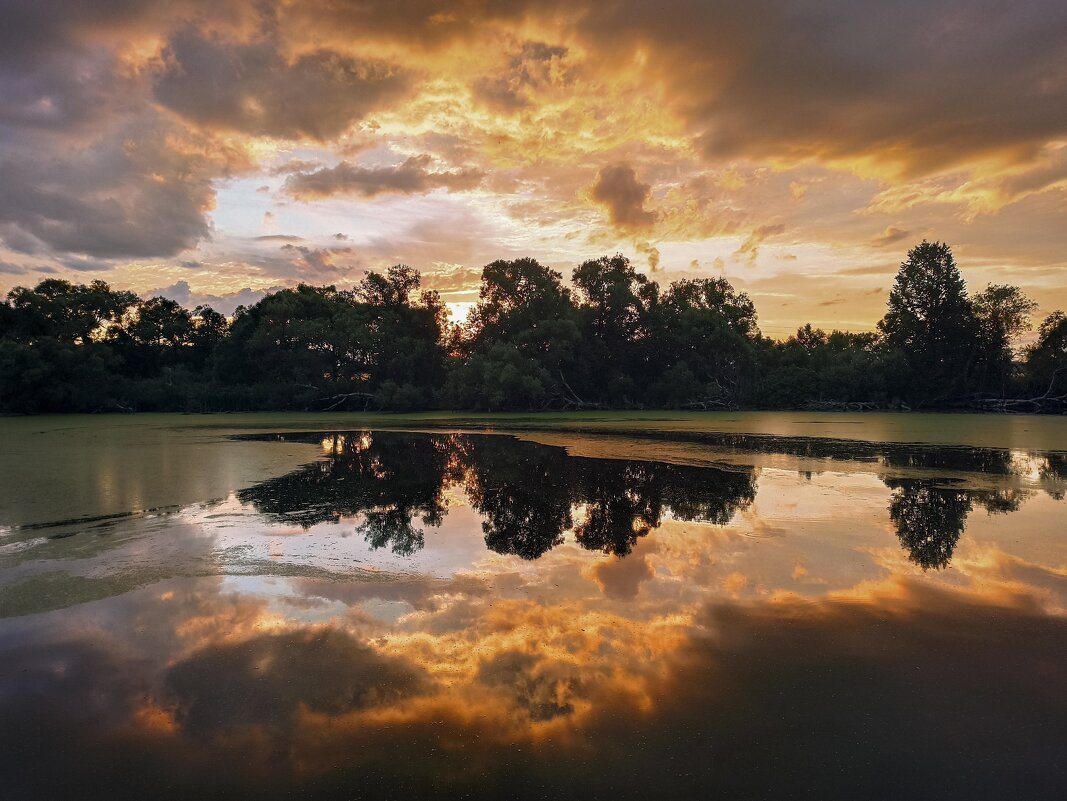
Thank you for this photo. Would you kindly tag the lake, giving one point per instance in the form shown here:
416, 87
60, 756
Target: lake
534, 606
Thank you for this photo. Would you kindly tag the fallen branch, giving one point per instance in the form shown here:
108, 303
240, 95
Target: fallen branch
344, 396
113, 406
843, 406
571, 399
708, 404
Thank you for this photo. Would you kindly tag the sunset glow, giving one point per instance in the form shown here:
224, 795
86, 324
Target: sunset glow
209, 152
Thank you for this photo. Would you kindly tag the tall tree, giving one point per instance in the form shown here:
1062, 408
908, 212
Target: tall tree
931, 323
615, 308
519, 340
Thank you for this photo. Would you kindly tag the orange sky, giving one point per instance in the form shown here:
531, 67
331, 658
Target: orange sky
211, 151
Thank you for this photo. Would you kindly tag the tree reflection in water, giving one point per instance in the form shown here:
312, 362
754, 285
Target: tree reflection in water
928, 519
390, 480
529, 494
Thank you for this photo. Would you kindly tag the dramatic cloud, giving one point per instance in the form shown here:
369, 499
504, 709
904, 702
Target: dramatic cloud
139, 134
133, 193
268, 674
536, 66
917, 85
412, 176
252, 88
618, 189
621, 578
317, 264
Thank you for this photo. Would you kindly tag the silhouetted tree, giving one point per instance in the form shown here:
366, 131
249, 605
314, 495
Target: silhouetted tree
1002, 314
930, 322
614, 312
815, 367
1046, 359
616, 340
68, 312
706, 332
518, 342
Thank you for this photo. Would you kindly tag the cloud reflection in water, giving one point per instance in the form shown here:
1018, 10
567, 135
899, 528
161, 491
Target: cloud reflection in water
625, 634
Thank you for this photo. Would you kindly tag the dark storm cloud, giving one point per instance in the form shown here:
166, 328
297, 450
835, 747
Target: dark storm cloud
834, 693
31, 28
412, 176
98, 161
92, 169
618, 189
124, 195
89, 170
921, 84
62, 91
253, 89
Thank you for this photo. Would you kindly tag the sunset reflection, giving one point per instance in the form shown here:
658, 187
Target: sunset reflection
444, 612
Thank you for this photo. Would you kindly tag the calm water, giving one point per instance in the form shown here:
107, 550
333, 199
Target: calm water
674, 607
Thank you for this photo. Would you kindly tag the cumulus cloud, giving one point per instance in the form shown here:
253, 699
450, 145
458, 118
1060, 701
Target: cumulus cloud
412, 176
617, 189
317, 264
182, 293
651, 252
267, 672
621, 579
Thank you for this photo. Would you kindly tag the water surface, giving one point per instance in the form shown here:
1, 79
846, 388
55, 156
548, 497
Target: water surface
604, 607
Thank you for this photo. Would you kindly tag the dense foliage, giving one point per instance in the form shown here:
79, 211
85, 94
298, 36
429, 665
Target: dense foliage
611, 339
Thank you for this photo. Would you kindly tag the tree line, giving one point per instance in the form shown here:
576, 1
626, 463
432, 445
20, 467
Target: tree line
612, 338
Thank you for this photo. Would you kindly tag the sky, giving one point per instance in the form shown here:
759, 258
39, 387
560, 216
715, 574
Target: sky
213, 151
